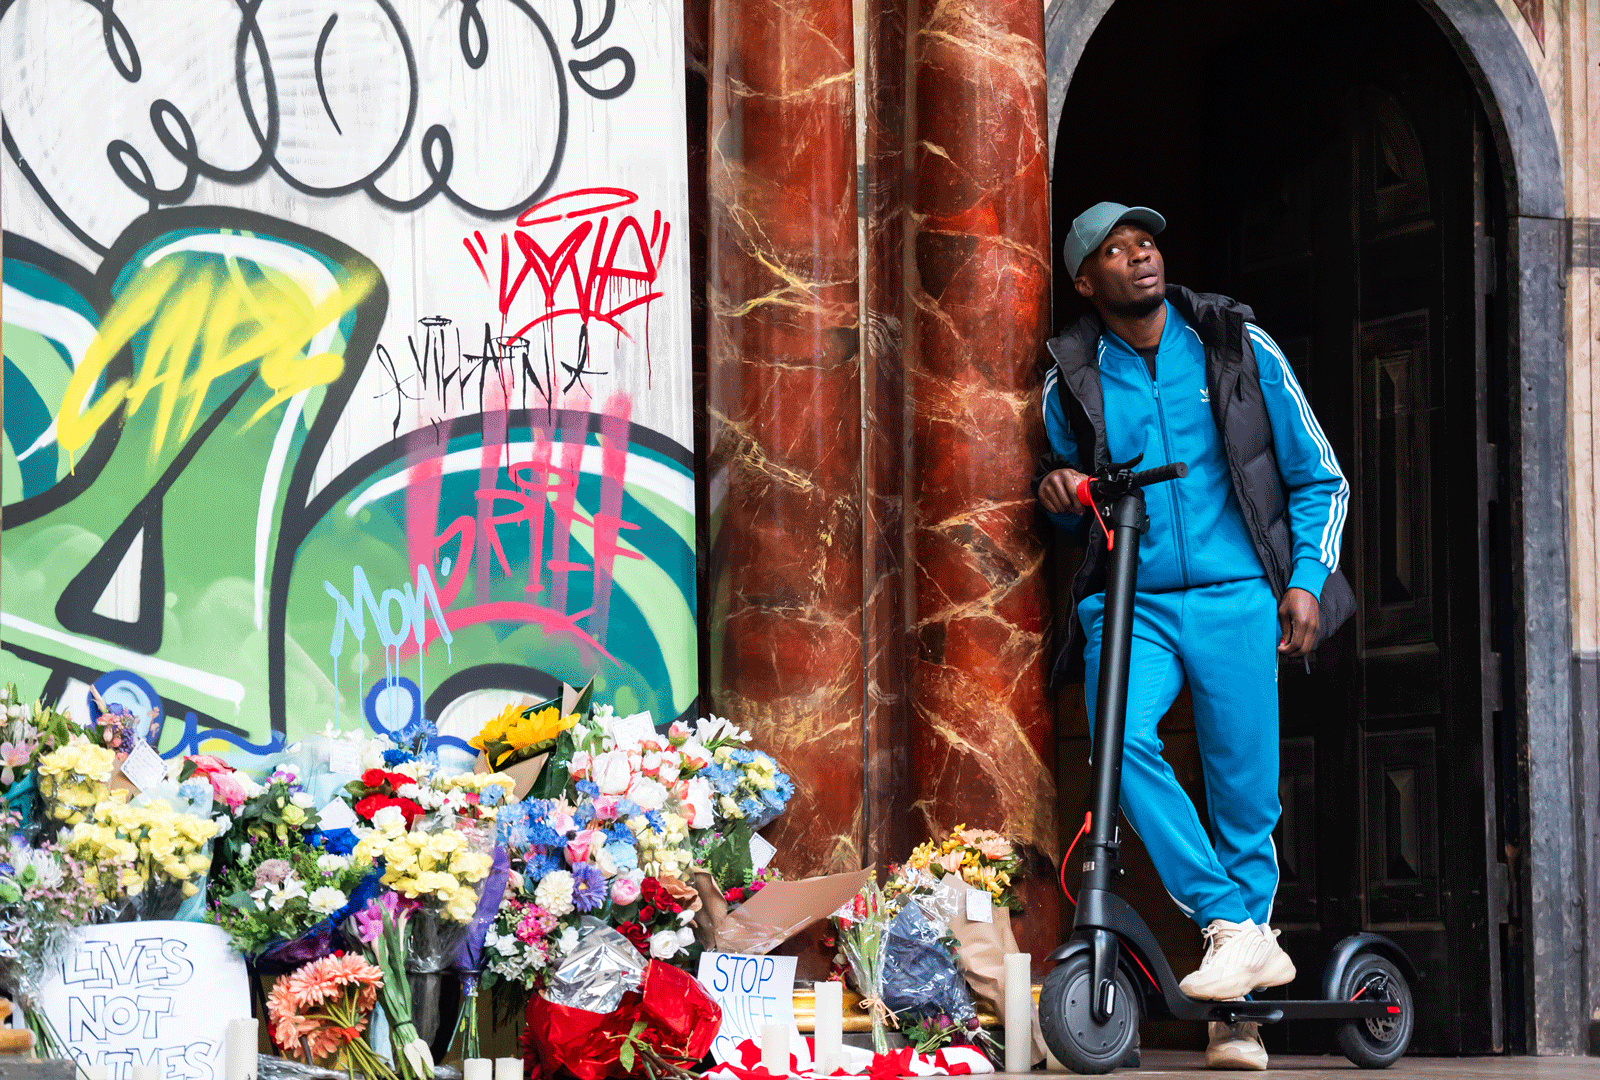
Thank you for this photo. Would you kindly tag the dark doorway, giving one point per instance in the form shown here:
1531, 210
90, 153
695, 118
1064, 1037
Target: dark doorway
1329, 165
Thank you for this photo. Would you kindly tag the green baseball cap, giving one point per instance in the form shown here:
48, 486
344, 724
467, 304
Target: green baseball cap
1095, 224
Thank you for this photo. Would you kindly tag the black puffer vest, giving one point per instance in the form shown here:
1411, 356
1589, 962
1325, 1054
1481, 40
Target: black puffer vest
1234, 384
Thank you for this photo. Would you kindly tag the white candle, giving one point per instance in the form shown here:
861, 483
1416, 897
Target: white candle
828, 1027
507, 1069
242, 1043
1019, 1012
477, 1069
775, 1049
92, 1072
146, 1072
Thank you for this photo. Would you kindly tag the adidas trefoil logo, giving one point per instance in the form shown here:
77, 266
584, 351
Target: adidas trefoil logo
1205, 394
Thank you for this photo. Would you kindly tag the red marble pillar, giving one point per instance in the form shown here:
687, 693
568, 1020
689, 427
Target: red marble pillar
889, 833
784, 409
982, 738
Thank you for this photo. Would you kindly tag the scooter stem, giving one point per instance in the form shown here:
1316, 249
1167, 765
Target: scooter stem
1128, 522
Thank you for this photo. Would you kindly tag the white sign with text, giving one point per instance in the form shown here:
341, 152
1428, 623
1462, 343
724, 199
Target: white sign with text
753, 991
148, 993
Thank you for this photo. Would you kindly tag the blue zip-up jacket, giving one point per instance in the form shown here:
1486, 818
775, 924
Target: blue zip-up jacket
1197, 532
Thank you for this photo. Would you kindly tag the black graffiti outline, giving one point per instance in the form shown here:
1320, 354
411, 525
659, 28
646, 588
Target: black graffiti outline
437, 151
316, 65
301, 513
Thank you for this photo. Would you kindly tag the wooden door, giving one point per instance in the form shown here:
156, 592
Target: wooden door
1351, 212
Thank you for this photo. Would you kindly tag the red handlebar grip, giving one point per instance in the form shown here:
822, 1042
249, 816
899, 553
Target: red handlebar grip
1084, 498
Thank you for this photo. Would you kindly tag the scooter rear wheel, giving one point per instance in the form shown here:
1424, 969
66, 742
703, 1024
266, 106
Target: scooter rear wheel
1070, 1030
1376, 1042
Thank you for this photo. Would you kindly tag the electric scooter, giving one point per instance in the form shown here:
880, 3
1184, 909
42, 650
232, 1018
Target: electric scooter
1111, 970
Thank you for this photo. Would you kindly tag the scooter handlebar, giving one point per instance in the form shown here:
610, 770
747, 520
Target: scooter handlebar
1175, 471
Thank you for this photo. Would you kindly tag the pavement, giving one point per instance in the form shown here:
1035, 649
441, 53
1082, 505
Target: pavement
1298, 1067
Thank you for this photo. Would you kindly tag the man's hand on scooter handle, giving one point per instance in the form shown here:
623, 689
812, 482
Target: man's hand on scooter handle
1299, 615
1058, 491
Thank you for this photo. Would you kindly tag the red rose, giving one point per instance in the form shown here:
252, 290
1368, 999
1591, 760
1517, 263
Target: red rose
372, 778
637, 934
369, 806
647, 913
735, 895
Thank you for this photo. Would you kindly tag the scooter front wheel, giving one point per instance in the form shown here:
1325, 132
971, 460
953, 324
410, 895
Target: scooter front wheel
1376, 1042
1066, 1017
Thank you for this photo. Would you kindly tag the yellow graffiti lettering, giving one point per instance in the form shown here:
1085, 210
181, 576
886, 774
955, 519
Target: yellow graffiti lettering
204, 323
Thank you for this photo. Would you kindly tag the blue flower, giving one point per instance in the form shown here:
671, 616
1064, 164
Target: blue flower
752, 807
588, 788
628, 808
619, 833
654, 818
539, 865
397, 756
335, 841
588, 887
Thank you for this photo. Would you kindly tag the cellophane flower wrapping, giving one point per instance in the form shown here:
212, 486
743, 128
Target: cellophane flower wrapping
160, 847
602, 967
676, 1017
73, 780
863, 927
921, 978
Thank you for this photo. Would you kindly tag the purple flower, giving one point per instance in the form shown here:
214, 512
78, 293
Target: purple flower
369, 920
588, 887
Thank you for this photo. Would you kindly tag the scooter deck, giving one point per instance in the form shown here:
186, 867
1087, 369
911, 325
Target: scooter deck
1272, 1012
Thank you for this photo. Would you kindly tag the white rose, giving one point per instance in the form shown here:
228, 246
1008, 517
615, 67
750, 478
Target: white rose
332, 864
409, 791
581, 762
302, 800
649, 794
603, 861
697, 808
567, 940
685, 937
664, 944
327, 900
610, 772
387, 817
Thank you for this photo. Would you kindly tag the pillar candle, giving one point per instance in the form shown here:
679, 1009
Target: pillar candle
146, 1072
508, 1068
477, 1069
92, 1072
243, 1039
775, 1049
1019, 1012
828, 1027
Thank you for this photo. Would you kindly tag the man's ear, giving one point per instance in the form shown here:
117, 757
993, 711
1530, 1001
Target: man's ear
1081, 284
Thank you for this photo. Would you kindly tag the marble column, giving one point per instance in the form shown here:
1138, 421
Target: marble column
784, 409
982, 738
889, 833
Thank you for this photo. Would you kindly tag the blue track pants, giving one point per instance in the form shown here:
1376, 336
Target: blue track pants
1223, 639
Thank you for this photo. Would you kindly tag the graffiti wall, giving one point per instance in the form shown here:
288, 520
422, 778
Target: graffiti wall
346, 358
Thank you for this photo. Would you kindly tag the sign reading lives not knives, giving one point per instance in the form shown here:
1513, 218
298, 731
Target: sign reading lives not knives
148, 993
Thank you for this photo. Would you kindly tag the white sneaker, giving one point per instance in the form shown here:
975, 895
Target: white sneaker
1236, 1046
1239, 958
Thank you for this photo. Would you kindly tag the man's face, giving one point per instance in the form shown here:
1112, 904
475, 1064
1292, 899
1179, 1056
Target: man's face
1125, 274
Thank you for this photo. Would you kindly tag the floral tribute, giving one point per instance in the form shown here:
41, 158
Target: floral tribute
319, 1011
357, 870
980, 857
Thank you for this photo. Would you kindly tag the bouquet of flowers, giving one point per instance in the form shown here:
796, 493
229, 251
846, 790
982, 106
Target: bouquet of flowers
980, 857
276, 813
863, 928
521, 732
74, 779
44, 892
383, 929
171, 851
25, 732
746, 785
120, 727
282, 905
318, 1012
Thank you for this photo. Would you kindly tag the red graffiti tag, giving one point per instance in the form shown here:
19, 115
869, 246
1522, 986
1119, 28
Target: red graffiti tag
588, 263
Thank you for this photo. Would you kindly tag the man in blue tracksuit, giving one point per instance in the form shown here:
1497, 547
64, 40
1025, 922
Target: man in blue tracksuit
1231, 574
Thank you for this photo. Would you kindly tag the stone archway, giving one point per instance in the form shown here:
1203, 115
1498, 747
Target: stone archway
1538, 675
